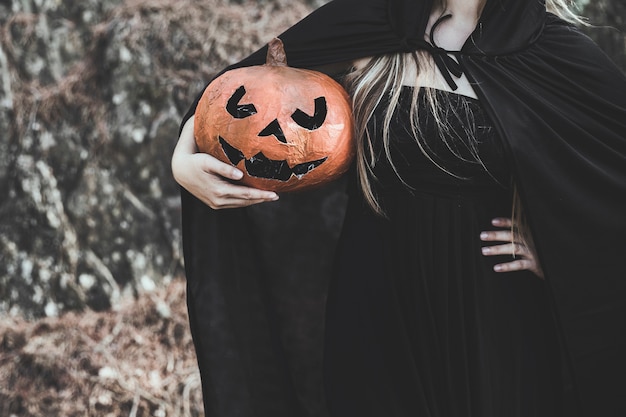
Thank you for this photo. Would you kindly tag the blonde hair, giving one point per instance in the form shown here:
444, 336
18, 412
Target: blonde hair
565, 10
382, 78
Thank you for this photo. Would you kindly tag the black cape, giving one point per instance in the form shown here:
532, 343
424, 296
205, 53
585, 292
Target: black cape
559, 103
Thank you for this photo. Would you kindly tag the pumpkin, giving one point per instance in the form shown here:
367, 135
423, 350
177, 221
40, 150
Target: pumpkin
285, 128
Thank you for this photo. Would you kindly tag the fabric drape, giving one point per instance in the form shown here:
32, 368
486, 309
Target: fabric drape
558, 103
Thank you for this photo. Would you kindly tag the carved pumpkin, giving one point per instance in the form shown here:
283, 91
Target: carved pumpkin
285, 128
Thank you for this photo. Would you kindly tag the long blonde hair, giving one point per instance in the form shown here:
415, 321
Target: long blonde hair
382, 78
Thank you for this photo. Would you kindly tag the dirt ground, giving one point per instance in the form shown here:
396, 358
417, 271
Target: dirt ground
136, 361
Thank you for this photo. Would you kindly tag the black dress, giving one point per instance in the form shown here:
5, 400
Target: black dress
418, 323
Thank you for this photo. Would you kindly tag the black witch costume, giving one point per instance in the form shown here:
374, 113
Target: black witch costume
554, 108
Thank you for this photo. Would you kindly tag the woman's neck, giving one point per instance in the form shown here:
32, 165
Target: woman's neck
468, 9
452, 33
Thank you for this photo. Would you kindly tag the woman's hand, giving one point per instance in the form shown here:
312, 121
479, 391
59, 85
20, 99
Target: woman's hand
517, 248
209, 179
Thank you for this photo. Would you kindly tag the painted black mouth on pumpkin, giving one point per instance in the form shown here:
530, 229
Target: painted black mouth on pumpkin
261, 166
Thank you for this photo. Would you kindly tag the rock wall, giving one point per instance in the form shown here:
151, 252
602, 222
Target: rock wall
91, 95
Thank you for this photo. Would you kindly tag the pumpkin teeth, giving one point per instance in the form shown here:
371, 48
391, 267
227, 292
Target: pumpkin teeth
301, 169
233, 154
261, 166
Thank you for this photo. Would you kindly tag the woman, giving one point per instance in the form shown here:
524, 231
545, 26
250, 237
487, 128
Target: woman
418, 321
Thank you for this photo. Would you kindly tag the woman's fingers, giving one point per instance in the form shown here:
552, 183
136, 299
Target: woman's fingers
243, 198
520, 265
239, 204
502, 222
229, 193
517, 265
497, 236
212, 165
221, 194
511, 248
523, 257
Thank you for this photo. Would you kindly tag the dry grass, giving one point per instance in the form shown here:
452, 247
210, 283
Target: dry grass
138, 361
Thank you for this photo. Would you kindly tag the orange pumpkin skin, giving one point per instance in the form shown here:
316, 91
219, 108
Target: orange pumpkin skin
261, 121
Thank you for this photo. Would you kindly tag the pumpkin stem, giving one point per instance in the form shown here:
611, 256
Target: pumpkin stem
276, 55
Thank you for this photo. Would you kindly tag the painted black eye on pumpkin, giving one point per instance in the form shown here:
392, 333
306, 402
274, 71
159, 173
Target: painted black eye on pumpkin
315, 121
239, 111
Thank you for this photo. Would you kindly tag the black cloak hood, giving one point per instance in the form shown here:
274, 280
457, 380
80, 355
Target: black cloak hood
559, 104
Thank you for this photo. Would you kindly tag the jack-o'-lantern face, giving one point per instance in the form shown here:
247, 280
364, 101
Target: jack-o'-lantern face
259, 165
285, 128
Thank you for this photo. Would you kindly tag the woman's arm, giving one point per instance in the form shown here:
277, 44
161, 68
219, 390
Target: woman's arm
210, 180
